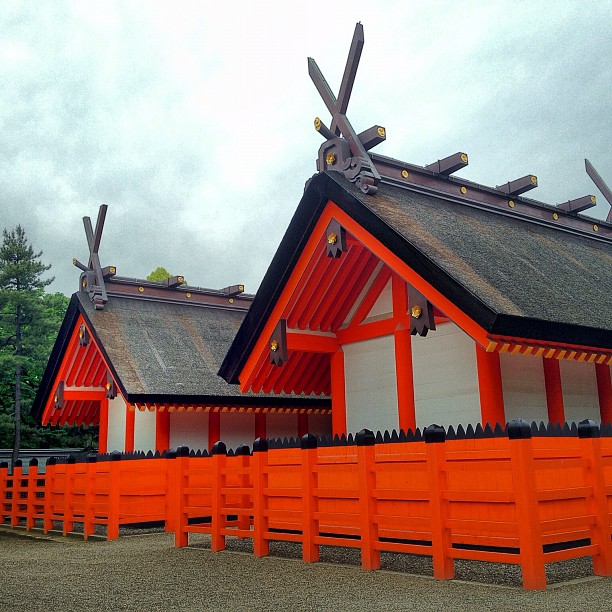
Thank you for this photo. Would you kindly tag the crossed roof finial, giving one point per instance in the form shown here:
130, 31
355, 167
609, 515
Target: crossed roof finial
345, 150
93, 275
601, 185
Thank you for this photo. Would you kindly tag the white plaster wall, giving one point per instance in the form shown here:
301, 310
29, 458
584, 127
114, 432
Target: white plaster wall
281, 425
384, 304
320, 424
524, 387
371, 390
116, 424
445, 377
237, 428
579, 384
144, 430
189, 429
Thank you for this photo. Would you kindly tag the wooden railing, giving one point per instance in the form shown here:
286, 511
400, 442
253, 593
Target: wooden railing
522, 495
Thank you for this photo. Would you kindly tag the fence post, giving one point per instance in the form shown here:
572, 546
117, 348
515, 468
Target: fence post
114, 496
526, 505
310, 526
590, 445
218, 519
261, 544
68, 522
4, 512
172, 486
370, 555
32, 487
179, 519
49, 484
443, 564
89, 510
16, 495
244, 520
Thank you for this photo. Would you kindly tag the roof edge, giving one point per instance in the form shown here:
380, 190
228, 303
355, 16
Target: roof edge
224, 400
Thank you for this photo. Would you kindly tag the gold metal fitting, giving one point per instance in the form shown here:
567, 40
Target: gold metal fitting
464, 158
330, 159
112, 270
534, 180
81, 334
332, 238
463, 190
73, 261
55, 399
317, 123
593, 200
141, 289
404, 173
596, 228
231, 300
241, 287
84, 283
180, 279
555, 216
381, 132
108, 386
511, 203
416, 311
188, 295
274, 346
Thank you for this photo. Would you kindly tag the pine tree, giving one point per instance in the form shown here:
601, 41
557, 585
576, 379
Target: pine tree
21, 307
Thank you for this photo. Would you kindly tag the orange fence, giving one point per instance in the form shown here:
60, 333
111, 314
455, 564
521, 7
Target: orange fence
524, 495
110, 492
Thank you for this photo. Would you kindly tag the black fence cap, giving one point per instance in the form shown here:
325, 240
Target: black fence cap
3, 464
182, 451
51, 461
33, 462
518, 429
588, 429
242, 449
434, 434
92, 458
219, 448
308, 441
18, 463
260, 445
115, 456
365, 437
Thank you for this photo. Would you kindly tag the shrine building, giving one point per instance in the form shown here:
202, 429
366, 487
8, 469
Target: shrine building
418, 297
140, 358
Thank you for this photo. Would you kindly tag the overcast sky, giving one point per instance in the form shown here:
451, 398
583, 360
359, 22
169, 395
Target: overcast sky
193, 120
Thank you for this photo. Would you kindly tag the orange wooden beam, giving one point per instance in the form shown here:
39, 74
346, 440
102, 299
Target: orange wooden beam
490, 387
367, 331
554, 391
260, 425
103, 427
371, 296
162, 431
315, 296
338, 393
311, 343
130, 423
214, 428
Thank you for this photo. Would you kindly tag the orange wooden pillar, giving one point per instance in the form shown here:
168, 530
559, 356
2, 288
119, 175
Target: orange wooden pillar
214, 428
554, 391
260, 425
302, 424
403, 357
103, 427
604, 391
130, 424
338, 392
162, 431
490, 387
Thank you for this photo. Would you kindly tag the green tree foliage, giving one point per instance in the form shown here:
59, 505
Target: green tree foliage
160, 274
29, 322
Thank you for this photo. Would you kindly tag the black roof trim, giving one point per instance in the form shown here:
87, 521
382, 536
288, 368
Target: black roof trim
224, 400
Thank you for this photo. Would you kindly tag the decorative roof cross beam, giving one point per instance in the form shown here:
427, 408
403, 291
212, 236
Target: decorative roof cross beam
93, 275
600, 184
345, 150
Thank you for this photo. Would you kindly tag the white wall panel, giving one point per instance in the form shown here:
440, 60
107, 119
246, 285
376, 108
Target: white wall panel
237, 428
281, 425
579, 384
371, 391
445, 378
144, 430
116, 424
384, 304
524, 387
189, 429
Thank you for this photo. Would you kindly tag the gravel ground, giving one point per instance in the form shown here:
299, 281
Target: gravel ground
143, 571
